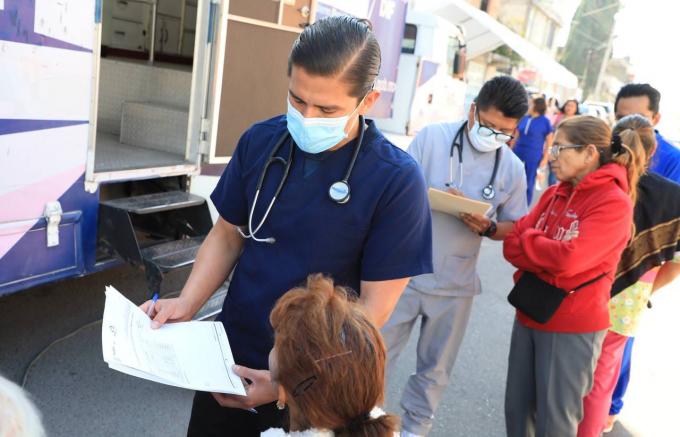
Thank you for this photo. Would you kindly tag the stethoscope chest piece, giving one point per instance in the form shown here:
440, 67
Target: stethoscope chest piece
488, 192
339, 192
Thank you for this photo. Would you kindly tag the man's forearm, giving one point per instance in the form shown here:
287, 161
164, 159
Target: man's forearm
215, 259
380, 297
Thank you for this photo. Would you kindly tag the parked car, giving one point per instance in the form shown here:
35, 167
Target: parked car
603, 110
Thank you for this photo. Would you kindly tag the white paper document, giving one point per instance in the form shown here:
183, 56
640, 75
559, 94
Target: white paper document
193, 355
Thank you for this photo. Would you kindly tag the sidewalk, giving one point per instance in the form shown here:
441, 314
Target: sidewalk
79, 396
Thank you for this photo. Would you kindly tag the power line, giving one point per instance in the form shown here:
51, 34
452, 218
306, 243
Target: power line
604, 8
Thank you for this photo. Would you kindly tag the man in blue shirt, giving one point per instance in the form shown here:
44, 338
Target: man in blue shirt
316, 190
643, 99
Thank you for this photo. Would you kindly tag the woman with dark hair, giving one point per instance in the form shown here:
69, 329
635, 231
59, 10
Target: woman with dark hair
568, 110
328, 364
535, 136
651, 260
566, 251
318, 189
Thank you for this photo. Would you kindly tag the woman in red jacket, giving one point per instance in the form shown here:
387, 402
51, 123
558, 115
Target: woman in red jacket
572, 240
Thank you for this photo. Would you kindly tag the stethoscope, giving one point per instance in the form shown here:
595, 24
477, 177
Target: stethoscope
339, 192
488, 192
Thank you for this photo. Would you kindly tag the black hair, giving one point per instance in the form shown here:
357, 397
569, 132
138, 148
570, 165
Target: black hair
639, 90
564, 107
540, 105
339, 45
505, 94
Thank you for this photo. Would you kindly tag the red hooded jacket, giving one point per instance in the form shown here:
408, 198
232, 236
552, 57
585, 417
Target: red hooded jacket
574, 234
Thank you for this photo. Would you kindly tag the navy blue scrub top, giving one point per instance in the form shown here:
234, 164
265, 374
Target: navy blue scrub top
384, 231
531, 140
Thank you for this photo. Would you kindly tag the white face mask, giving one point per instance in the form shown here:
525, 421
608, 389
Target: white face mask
481, 142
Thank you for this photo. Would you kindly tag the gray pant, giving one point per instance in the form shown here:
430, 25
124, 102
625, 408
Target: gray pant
549, 373
444, 319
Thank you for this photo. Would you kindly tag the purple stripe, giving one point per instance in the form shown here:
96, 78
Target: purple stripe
13, 126
17, 24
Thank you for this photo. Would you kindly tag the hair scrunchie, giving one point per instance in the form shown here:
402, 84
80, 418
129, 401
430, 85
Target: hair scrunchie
616, 145
355, 425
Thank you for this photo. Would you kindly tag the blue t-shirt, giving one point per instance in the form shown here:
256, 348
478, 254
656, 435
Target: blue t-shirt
383, 232
532, 133
666, 159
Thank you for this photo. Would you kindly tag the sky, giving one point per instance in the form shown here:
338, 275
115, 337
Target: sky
647, 32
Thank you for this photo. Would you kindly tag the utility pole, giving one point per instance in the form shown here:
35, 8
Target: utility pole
603, 66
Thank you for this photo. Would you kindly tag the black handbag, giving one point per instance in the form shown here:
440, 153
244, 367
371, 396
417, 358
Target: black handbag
539, 300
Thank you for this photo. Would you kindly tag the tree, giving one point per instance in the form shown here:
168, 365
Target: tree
589, 44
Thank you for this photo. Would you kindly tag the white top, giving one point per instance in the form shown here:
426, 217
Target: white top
455, 247
278, 432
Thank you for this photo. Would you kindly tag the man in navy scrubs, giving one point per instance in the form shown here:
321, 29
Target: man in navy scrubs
374, 242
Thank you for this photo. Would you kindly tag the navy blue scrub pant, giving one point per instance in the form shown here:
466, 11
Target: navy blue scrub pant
531, 160
624, 377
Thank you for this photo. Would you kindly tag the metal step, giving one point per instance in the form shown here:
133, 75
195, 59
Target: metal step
173, 254
214, 305
156, 202
181, 220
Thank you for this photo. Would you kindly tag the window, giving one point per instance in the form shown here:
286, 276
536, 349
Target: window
408, 43
484, 5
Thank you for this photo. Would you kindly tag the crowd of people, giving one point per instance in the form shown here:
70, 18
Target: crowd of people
344, 256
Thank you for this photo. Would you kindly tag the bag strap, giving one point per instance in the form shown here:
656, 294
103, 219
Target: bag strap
592, 281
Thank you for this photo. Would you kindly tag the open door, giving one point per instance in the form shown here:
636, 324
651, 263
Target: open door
244, 76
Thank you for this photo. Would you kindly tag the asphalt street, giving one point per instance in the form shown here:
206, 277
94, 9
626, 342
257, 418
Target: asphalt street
80, 396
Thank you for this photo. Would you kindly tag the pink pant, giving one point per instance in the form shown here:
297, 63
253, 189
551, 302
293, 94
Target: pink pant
596, 404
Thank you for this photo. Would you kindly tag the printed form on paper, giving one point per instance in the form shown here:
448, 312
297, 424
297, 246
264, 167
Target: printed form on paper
193, 355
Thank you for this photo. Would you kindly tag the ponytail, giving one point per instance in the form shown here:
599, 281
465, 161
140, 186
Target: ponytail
626, 151
632, 146
383, 426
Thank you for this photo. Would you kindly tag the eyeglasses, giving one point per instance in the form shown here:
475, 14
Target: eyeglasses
486, 131
555, 150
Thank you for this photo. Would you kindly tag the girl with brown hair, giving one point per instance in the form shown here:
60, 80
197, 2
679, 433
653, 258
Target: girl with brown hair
328, 362
566, 251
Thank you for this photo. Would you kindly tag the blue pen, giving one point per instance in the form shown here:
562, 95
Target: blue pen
153, 303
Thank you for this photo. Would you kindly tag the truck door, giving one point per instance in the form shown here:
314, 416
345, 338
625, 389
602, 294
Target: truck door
245, 76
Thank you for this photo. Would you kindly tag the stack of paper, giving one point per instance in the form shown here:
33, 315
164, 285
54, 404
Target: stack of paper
193, 355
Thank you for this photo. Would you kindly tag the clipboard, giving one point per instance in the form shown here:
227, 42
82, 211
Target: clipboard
455, 205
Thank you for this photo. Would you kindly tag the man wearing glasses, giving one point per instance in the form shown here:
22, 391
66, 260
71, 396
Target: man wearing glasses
469, 158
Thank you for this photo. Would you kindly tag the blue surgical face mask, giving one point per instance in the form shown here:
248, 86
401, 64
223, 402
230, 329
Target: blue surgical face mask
316, 135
